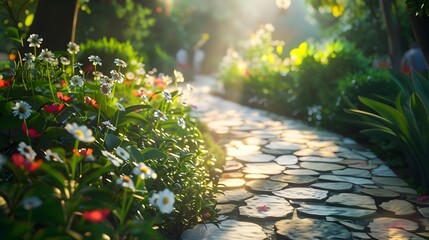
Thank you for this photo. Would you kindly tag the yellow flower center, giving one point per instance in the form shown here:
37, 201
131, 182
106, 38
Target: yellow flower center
27, 150
144, 169
22, 110
126, 179
79, 133
166, 200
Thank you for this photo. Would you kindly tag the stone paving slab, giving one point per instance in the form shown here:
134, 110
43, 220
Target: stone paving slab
283, 178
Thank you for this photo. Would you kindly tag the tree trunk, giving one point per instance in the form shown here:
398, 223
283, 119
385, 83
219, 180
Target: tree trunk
53, 21
392, 33
421, 32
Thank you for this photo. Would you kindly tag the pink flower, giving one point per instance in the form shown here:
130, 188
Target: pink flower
263, 208
53, 108
97, 215
91, 102
422, 198
63, 98
22, 162
31, 132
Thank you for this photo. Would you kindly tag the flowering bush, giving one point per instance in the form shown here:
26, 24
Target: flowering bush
89, 155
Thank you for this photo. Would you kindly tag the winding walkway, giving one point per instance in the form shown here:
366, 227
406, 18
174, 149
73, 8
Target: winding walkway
285, 179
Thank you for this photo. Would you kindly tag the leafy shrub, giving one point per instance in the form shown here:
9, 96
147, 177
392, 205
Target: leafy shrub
86, 156
404, 120
316, 72
108, 50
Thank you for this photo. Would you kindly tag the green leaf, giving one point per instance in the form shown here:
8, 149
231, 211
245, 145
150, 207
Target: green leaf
54, 173
421, 85
111, 142
145, 154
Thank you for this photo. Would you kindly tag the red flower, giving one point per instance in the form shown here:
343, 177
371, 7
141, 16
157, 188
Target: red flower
159, 82
63, 98
97, 215
31, 132
4, 83
83, 151
22, 162
54, 107
63, 83
263, 208
137, 93
91, 102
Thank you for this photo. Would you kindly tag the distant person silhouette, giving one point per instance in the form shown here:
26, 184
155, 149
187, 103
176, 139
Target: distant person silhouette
413, 60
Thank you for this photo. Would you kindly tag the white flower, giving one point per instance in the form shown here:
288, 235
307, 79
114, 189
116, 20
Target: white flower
52, 156
167, 79
46, 56
122, 153
22, 110
96, 60
153, 199
31, 202
120, 107
181, 122
73, 48
34, 40
29, 57
64, 61
97, 75
144, 171
167, 96
283, 4
106, 89
165, 201
179, 76
81, 133
117, 76
120, 63
112, 158
76, 80
125, 182
109, 125
160, 115
27, 151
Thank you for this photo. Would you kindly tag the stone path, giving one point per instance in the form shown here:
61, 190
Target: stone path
286, 180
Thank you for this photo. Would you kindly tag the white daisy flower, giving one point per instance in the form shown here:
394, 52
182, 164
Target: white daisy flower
112, 158
109, 125
181, 122
31, 202
96, 60
22, 110
34, 40
64, 61
106, 89
167, 96
153, 198
73, 48
144, 171
29, 57
52, 156
122, 153
76, 81
120, 63
160, 115
117, 76
125, 182
165, 201
179, 76
120, 107
46, 56
81, 133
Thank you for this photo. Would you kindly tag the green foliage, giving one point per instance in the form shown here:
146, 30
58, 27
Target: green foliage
95, 153
418, 7
404, 120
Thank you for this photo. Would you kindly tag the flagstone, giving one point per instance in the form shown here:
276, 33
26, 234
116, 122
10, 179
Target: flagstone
232, 166
235, 195
266, 206
286, 160
360, 235
351, 155
231, 175
383, 171
393, 233
231, 183
265, 185
380, 193
294, 179
277, 152
283, 145
335, 149
424, 211
386, 223
353, 162
322, 210
226, 208
353, 172
399, 207
270, 168
256, 157
310, 152
228, 229
296, 172
390, 181
352, 200
251, 176
354, 180
320, 159
311, 229
321, 167
367, 154
302, 193
333, 186
255, 141
402, 190
320, 144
